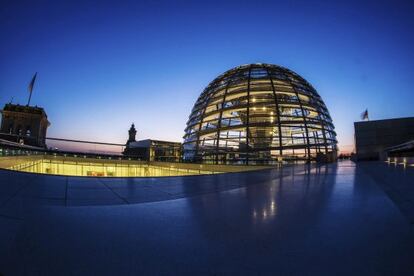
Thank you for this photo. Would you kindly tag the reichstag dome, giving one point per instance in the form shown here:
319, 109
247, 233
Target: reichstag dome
259, 114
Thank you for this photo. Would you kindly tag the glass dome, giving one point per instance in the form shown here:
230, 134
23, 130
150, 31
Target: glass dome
259, 114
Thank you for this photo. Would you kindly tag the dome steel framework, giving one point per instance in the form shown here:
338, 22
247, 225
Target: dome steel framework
258, 114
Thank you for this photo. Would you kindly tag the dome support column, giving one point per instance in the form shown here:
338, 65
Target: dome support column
220, 118
277, 112
303, 117
248, 117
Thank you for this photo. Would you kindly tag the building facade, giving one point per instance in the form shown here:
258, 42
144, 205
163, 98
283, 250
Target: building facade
259, 114
24, 125
374, 138
151, 150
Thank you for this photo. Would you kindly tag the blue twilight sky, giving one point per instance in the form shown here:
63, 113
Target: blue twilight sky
104, 64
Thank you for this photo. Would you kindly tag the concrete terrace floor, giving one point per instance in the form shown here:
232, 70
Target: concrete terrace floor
298, 220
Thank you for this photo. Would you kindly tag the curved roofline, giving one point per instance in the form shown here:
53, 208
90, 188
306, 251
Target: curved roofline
259, 64
297, 118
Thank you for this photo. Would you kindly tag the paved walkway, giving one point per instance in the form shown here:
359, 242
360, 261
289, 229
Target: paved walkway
396, 181
326, 220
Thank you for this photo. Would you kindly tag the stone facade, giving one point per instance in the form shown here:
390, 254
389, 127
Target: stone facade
24, 124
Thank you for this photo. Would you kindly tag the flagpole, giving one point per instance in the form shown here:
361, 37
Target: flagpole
30, 96
31, 85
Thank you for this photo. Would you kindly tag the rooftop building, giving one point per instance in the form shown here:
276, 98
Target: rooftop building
259, 114
374, 138
25, 125
151, 150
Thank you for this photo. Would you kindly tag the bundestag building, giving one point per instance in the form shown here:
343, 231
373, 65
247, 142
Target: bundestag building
259, 114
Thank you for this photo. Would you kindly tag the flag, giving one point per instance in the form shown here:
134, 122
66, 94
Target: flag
364, 115
30, 88
31, 84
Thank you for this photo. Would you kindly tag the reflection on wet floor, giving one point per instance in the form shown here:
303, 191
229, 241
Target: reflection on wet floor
295, 220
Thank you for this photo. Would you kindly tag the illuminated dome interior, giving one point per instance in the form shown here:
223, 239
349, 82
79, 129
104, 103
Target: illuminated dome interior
258, 114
